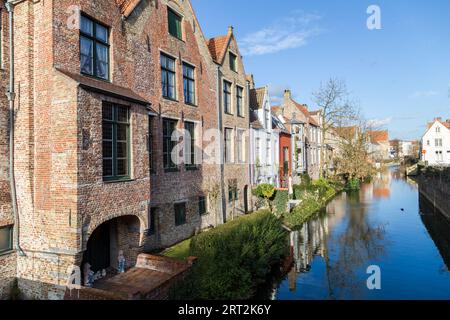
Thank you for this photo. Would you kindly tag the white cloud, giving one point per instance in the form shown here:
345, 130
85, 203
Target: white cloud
377, 123
277, 94
424, 94
288, 33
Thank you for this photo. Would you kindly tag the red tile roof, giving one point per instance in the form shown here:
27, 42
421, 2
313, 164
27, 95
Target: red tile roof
347, 132
127, 6
378, 136
218, 47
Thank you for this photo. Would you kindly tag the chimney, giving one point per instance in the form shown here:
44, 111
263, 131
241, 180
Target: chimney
438, 119
251, 81
287, 95
230, 30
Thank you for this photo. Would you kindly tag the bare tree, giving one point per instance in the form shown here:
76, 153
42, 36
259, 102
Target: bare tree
335, 108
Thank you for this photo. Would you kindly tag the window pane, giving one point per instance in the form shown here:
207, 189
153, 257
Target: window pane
101, 33
122, 132
5, 238
180, 214
122, 149
107, 111
174, 24
102, 61
122, 114
86, 56
107, 167
107, 149
122, 167
86, 25
107, 131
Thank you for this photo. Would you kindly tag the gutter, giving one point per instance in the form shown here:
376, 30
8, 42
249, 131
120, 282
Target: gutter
11, 98
223, 210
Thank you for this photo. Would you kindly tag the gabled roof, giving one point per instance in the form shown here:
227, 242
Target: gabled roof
218, 47
257, 98
378, 136
127, 6
445, 123
305, 111
346, 132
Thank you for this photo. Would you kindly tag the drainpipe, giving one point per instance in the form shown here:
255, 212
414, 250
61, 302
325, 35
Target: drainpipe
223, 210
11, 98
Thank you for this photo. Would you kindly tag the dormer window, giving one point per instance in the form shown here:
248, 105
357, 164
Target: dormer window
233, 62
94, 48
438, 129
174, 24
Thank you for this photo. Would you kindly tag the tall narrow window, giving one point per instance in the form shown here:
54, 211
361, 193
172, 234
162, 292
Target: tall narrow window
180, 213
258, 149
285, 161
268, 150
168, 77
116, 142
174, 24
94, 48
227, 96
152, 222
228, 145
232, 190
151, 156
189, 146
169, 127
233, 62
189, 84
240, 146
6, 239
239, 101
202, 205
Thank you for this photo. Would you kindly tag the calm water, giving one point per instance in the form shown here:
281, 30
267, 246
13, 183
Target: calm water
411, 246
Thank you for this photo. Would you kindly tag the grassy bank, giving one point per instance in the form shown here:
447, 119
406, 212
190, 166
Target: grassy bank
233, 259
313, 196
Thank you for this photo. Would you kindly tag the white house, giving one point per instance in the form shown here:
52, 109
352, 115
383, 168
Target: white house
264, 140
436, 143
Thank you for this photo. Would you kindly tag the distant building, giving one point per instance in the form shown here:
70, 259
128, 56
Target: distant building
378, 145
436, 143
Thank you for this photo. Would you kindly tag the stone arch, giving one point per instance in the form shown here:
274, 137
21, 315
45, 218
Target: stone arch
107, 237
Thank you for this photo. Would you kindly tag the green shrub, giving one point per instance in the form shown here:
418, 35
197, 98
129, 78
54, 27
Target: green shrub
234, 259
353, 185
265, 191
303, 212
280, 202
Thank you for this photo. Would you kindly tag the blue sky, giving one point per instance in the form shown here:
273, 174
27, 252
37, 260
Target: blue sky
400, 74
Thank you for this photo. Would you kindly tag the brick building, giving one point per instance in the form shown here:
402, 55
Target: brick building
7, 256
106, 90
233, 101
105, 86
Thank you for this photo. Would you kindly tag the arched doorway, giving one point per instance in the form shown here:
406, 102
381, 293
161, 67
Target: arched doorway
108, 239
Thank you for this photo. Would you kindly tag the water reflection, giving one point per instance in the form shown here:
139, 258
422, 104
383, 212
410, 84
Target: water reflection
438, 227
387, 224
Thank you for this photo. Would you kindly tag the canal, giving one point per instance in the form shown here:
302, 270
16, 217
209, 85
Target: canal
386, 224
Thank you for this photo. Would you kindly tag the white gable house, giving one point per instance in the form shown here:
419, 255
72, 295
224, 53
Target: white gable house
436, 143
264, 140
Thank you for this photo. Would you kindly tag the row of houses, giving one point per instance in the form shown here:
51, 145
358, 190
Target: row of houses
131, 131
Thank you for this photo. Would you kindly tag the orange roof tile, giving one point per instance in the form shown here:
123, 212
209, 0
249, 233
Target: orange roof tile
218, 47
378, 136
346, 132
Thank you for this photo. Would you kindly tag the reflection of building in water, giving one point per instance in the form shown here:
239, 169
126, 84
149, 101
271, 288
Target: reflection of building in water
382, 186
307, 243
438, 227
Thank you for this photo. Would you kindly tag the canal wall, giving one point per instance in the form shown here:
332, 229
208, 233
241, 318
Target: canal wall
434, 185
